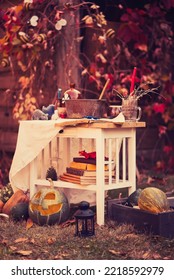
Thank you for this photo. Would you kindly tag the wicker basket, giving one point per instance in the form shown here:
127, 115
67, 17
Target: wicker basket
80, 108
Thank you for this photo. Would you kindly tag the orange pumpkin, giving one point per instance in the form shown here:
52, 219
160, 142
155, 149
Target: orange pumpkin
18, 196
1, 205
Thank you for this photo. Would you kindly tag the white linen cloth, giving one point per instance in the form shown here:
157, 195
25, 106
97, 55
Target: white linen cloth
33, 136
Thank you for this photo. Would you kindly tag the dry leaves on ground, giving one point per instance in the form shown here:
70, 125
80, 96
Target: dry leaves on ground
112, 241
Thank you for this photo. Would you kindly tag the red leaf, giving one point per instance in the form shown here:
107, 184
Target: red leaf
131, 31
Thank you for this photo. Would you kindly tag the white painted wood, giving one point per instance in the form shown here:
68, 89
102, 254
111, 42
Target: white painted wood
132, 161
114, 142
110, 160
100, 183
42, 164
124, 159
33, 174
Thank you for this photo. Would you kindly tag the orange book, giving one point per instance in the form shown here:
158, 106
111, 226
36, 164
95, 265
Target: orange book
85, 166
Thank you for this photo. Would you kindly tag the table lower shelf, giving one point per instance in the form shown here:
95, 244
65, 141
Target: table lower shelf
64, 184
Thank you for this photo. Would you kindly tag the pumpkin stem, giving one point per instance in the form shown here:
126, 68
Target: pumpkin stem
4, 215
51, 183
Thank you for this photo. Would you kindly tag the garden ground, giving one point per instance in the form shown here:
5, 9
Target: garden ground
111, 242
25, 240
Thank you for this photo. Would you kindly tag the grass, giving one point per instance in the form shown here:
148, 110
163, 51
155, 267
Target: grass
111, 242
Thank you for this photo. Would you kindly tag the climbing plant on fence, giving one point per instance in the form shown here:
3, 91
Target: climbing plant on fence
142, 37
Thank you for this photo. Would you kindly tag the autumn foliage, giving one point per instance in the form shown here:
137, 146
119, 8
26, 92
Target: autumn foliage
142, 38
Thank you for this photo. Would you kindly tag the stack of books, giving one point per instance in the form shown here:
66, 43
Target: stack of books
83, 171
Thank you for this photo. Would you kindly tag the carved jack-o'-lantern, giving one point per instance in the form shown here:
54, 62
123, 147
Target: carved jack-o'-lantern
49, 206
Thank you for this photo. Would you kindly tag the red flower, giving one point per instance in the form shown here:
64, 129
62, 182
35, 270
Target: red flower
159, 108
162, 130
167, 149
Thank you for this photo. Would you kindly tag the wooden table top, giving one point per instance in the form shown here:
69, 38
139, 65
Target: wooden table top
100, 123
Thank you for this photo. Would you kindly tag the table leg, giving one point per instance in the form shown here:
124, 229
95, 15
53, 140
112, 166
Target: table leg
100, 189
132, 161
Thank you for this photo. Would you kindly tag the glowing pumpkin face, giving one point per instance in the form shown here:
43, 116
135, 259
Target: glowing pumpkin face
48, 206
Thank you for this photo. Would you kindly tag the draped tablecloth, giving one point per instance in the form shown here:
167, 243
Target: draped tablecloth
33, 136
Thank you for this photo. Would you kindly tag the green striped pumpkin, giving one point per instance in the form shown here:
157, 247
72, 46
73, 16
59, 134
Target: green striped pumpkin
153, 200
6, 192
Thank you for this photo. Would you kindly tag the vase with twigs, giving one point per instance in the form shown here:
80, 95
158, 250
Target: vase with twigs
130, 108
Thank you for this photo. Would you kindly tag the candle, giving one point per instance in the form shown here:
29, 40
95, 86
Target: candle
133, 81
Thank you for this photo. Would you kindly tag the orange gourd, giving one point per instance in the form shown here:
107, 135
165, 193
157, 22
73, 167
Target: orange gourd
1, 205
17, 197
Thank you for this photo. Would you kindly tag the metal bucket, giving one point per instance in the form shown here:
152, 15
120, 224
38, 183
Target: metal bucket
80, 108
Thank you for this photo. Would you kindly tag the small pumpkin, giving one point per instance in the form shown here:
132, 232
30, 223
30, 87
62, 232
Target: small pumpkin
49, 206
6, 192
1, 205
18, 196
153, 200
132, 199
20, 211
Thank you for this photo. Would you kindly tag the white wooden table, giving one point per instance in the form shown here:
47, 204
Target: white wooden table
113, 140
117, 142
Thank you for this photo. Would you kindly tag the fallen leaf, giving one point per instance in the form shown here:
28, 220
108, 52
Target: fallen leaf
51, 240
156, 256
32, 241
145, 255
13, 248
4, 241
86, 246
29, 223
67, 223
65, 255
150, 180
24, 253
58, 257
114, 252
45, 251
167, 258
21, 240
61, 256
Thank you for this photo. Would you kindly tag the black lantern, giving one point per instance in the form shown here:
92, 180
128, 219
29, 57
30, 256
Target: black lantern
84, 220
